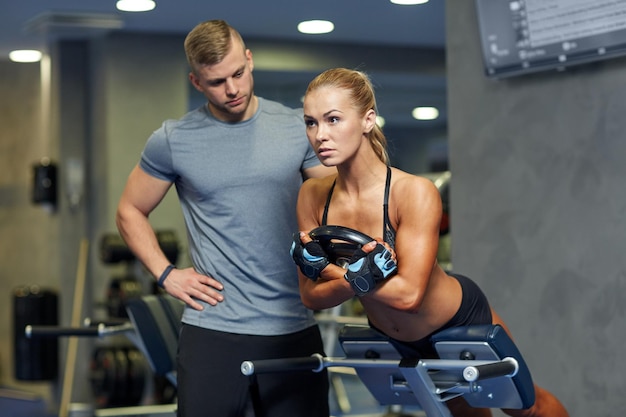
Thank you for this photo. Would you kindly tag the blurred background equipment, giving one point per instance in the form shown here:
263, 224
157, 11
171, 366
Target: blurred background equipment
113, 250
35, 360
442, 182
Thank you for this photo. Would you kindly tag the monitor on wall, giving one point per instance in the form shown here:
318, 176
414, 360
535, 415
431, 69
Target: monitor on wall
523, 36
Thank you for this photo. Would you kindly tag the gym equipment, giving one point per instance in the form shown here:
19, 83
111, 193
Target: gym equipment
72, 345
156, 321
45, 184
128, 285
16, 403
117, 376
114, 250
153, 326
120, 290
339, 242
480, 363
442, 182
35, 360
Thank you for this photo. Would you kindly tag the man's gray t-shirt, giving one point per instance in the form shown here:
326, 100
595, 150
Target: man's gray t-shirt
238, 186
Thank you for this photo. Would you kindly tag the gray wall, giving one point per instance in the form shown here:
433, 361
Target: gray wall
538, 211
24, 229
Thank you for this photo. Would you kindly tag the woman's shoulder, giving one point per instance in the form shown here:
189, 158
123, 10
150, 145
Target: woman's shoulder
415, 202
410, 189
410, 182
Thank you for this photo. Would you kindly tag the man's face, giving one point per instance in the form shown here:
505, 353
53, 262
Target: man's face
228, 85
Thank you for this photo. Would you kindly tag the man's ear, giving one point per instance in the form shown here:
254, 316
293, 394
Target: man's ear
250, 60
194, 81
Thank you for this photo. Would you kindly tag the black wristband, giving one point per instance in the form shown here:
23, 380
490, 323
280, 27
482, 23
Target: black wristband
164, 275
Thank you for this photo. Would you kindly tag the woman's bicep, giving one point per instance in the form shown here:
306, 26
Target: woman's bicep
417, 239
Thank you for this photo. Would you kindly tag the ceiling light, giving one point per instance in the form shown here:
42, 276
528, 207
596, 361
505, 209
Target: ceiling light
380, 121
408, 2
425, 113
25, 55
135, 5
315, 27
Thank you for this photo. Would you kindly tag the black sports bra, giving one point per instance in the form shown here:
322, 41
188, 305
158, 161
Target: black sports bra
389, 233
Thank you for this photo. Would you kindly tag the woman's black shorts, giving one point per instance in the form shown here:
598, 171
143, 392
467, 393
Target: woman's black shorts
474, 309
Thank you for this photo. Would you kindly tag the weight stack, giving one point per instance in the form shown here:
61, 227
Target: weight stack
35, 359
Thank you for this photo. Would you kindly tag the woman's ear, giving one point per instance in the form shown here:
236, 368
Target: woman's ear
369, 120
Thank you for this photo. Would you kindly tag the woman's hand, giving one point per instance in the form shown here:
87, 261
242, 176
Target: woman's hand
309, 256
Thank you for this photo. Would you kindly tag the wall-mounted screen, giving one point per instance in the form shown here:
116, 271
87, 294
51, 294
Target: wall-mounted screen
522, 36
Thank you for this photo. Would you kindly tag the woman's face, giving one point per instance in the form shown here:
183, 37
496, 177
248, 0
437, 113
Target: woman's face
335, 129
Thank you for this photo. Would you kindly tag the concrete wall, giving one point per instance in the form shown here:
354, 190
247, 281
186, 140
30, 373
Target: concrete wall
538, 211
25, 229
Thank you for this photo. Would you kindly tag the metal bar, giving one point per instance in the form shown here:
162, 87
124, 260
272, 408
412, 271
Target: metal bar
312, 363
92, 331
451, 364
505, 367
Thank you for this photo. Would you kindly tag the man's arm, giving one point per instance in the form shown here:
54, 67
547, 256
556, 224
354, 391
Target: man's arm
142, 194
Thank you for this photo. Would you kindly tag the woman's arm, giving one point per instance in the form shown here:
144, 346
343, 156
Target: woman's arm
330, 288
417, 207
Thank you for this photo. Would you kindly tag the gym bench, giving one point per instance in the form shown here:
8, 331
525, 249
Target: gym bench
480, 363
153, 328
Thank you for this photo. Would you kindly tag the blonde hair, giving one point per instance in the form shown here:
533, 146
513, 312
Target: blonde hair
361, 92
209, 42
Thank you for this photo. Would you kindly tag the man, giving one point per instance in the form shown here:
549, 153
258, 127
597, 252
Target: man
237, 164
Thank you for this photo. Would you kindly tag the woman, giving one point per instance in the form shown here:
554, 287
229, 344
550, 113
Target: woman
405, 293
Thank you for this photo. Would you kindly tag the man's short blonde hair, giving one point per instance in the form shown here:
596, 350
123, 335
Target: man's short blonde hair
209, 42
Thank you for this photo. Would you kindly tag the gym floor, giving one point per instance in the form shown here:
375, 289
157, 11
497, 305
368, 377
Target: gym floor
14, 403
348, 398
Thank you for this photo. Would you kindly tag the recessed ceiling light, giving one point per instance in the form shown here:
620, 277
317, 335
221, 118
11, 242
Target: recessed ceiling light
135, 5
408, 2
25, 55
315, 27
425, 113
